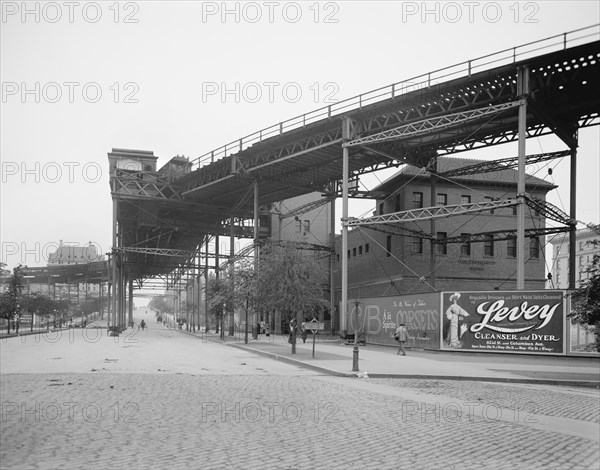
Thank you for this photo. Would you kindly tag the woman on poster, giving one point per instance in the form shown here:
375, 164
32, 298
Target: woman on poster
453, 314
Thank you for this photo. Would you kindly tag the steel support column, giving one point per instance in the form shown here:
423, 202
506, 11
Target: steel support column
256, 254
523, 91
332, 309
231, 279
345, 175
573, 224
130, 319
432, 245
114, 269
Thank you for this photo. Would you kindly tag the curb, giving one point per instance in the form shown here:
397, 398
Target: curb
514, 380
296, 362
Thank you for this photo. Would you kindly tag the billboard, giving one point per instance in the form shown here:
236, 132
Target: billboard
525, 322
377, 318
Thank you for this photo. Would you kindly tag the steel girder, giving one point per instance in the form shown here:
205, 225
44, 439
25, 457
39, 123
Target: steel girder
164, 252
548, 210
428, 213
426, 126
500, 235
143, 185
502, 164
399, 230
250, 160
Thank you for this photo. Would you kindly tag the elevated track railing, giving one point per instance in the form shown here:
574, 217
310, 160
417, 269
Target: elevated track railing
463, 69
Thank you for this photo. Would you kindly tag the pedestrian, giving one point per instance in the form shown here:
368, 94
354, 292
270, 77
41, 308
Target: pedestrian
257, 330
292, 338
304, 334
401, 335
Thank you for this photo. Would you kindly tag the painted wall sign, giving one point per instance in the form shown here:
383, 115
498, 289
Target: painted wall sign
377, 318
504, 321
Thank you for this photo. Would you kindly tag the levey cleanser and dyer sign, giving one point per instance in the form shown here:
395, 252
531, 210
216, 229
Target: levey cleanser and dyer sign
504, 321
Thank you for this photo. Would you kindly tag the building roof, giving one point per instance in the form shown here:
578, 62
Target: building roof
504, 177
70, 254
583, 233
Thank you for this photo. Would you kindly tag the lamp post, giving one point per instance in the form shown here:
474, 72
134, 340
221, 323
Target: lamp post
355, 350
17, 318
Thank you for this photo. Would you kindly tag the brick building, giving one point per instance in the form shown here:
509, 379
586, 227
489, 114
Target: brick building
388, 260
584, 255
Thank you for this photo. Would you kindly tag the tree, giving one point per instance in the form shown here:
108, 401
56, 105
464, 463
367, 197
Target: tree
585, 301
39, 304
291, 281
9, 300
219, 293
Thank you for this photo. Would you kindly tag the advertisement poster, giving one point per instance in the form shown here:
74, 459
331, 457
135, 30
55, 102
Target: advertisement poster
377, 318
504, 321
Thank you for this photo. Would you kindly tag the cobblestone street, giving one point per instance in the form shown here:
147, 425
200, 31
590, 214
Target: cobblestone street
173, 400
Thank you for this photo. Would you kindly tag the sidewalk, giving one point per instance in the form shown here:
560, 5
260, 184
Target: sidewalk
335, 358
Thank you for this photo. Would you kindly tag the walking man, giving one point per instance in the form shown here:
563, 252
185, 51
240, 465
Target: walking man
401, 335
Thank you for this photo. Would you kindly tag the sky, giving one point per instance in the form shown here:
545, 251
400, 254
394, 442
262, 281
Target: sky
183, 78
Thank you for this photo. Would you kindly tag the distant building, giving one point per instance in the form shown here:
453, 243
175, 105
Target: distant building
70, 254
132, 160
175, 168
585, 251
300, 219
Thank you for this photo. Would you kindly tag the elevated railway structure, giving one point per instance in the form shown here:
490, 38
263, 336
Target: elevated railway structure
164, 221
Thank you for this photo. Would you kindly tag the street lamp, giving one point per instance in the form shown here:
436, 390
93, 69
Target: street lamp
355, 350
17, 318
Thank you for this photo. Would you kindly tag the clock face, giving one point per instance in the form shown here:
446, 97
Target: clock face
132, 165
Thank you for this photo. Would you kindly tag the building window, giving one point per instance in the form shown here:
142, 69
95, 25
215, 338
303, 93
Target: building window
337, 257
511, 247
360, 250
388, 244
298, 226
442, 199
465, 199
534, 248
465, 248
489, 199
417, 200
442, 246
488, 245
349, 254
397, 203
306, 226
417, 245
366, 248
381, 208
354, 252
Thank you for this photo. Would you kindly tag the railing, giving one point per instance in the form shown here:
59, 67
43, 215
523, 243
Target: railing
462, 69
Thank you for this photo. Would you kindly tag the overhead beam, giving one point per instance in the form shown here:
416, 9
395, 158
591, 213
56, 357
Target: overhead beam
429, 213
427, 126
